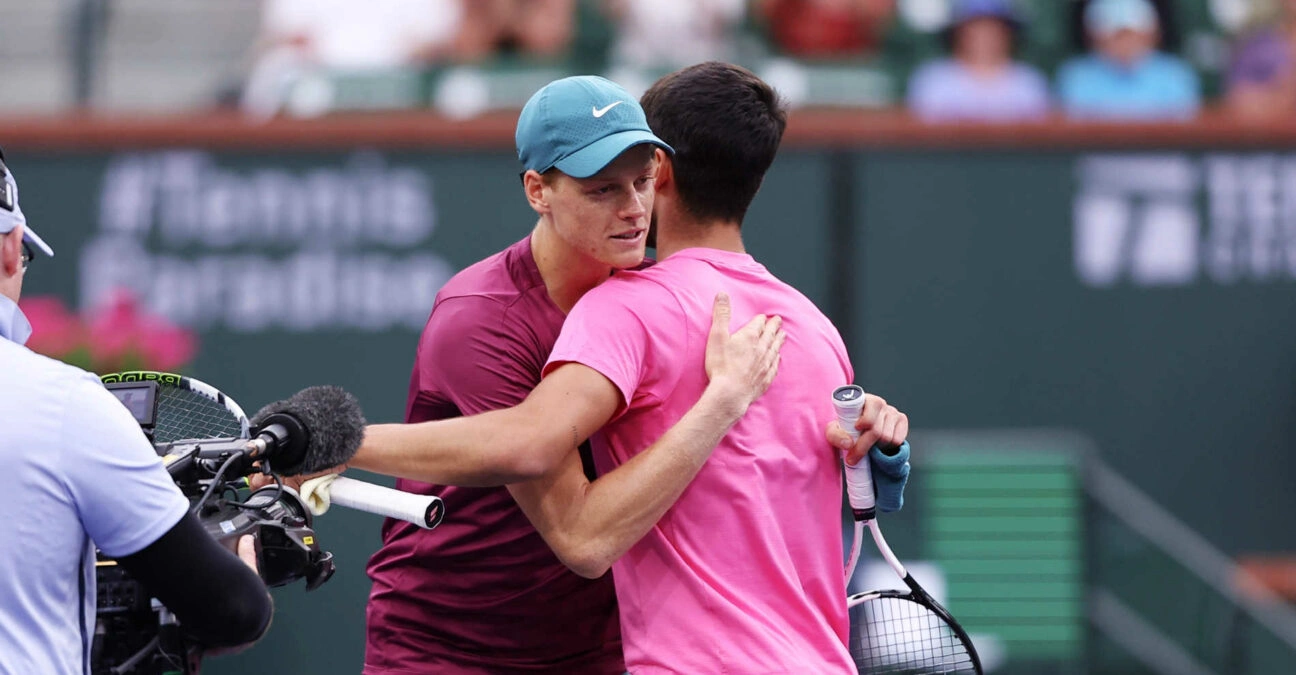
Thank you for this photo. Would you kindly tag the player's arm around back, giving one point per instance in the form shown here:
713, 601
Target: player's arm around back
590, 525
493, 448
476, 356
517, 444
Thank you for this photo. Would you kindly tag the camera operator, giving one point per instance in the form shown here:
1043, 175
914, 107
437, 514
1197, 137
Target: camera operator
80, 473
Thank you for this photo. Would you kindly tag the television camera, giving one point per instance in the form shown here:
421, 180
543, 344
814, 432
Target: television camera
134, 633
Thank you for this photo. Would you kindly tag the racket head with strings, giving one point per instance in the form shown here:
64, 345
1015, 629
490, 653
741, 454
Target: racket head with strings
908, 633
188, 408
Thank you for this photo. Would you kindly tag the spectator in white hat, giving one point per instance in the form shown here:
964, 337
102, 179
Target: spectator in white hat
1126, 77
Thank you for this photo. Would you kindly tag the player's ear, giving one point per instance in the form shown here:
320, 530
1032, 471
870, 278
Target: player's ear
536, 190
665, 170
11, 251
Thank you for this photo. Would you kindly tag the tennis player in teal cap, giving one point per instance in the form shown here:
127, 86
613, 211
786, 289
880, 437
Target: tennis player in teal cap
484, 593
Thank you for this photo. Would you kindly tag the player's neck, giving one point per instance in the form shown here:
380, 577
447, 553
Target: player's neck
11, 286
678, 233
567, 274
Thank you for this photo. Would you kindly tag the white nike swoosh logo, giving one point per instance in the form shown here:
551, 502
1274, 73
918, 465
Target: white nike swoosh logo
599, 112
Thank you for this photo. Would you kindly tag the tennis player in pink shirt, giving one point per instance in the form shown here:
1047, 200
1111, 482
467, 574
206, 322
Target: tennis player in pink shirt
744, 573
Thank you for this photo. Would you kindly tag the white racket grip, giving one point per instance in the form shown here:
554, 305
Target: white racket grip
423, 510
848, 401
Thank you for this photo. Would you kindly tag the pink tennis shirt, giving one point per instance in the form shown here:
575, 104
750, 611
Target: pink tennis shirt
744, 573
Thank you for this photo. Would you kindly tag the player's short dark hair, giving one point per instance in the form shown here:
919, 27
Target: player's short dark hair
725, 125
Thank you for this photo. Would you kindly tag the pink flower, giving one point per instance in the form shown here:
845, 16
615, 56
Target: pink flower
122, 337
166, 347
114, 329
117, 336
56, 332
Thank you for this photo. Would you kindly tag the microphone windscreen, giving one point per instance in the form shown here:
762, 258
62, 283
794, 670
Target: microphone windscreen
334, 423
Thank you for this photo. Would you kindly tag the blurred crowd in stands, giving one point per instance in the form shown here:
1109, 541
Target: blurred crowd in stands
984, 60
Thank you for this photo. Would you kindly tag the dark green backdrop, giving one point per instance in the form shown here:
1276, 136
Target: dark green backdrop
953, 276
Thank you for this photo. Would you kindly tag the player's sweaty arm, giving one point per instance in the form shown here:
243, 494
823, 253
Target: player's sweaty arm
590, 525
531, 439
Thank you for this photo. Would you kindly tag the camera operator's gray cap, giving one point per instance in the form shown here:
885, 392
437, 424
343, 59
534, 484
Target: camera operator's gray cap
11, 214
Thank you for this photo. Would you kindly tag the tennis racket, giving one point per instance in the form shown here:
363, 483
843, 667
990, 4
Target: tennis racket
893, 631
185, 408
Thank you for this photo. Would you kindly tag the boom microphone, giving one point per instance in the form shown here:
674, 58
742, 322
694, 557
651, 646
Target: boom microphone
316, 429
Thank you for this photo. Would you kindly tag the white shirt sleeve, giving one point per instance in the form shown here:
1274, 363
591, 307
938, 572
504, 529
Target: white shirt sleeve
124, 496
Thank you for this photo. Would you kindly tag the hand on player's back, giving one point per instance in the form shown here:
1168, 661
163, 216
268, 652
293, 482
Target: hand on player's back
879, 424
742, 365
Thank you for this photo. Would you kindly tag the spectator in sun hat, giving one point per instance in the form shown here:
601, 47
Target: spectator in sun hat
980, 80
1125, 76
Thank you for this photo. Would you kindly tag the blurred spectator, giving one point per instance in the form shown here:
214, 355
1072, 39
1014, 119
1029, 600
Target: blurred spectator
1262, 77
981, 81
1125, 77
817, 29
371, 34
300, 37
668, 34
534, 28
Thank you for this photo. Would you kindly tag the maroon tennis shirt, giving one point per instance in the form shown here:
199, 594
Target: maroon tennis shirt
483, 593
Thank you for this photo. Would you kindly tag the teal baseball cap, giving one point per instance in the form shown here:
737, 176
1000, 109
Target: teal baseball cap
579, 125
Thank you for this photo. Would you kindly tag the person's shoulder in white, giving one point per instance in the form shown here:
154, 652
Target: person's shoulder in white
1032, 86
930, 78
42, 373
123, 493
1029, 75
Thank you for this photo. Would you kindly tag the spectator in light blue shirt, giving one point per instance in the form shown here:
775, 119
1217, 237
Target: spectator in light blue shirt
1126, 77
981, 81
